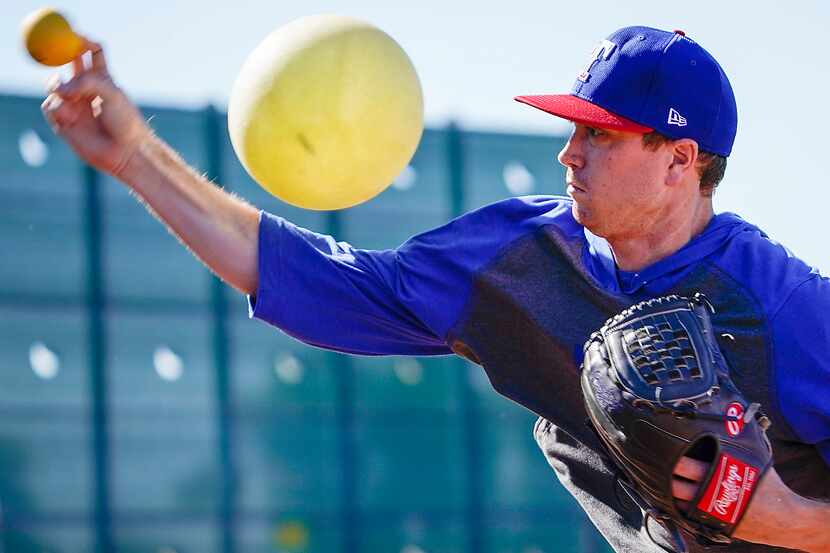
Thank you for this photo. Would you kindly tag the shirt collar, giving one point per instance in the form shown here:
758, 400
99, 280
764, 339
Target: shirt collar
599, 259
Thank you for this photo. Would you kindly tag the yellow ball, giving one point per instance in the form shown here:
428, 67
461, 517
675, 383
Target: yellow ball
49, 39
326, 112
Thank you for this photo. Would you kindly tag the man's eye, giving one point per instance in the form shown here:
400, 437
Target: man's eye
594, 132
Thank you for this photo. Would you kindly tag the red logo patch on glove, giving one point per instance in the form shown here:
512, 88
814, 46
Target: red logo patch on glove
729, 489
734, 427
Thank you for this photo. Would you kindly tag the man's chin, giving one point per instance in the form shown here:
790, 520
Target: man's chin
584, 218
580, 213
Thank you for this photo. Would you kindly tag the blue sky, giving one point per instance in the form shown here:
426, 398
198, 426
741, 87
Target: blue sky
474, 57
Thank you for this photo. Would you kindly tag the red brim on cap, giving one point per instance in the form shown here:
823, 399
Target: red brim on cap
582, 111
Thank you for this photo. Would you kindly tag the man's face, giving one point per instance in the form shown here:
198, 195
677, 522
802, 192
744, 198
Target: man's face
617, 184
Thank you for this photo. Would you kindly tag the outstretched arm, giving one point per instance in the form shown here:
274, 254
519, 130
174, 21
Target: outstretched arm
107, 130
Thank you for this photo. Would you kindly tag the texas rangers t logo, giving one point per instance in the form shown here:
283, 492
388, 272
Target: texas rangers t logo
601, 51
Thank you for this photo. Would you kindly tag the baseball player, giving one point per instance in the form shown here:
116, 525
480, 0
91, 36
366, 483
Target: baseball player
518, 286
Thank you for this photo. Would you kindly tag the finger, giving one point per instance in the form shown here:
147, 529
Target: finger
88, 85
78, 65
99, 61
53, 82
51, 103
683, 490
49, 109
691, 469
60, 113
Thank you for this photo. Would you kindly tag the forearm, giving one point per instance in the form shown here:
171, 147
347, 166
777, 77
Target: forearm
791, 521
218, 227
808, 526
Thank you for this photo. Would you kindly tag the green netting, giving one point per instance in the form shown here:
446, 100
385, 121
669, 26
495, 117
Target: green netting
499, 166
410, 460
407, 384
164, 464
51, 537
518, 476
292, 532
41, 214
290, 461
554, 532
159, 362
157, 536
414, 532
273, 373
145, 263
43, 355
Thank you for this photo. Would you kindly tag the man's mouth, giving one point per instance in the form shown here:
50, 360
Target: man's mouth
574, 187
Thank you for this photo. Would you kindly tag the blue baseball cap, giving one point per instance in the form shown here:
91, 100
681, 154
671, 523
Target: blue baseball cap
641, 79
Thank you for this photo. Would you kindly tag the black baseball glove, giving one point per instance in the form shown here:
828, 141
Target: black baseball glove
656, 389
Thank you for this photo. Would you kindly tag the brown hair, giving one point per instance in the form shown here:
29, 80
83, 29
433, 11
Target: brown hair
711, 167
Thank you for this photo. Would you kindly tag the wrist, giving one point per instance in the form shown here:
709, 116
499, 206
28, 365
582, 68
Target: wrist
133, 169
778, 516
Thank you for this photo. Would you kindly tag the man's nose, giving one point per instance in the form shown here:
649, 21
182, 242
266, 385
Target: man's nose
571, 153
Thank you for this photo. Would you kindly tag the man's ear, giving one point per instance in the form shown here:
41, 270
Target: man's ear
683, 161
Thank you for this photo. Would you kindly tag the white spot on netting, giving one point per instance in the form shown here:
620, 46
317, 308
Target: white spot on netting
168, 364
406, 179
409, 371
517, 178
45, 363
289, 369
411, 548
33, 150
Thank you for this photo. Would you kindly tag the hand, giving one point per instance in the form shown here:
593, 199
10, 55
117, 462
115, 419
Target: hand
755, 525
94, 116
688, 475
775, 516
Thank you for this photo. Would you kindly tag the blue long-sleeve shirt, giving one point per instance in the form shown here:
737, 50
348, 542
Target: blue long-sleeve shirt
404, 301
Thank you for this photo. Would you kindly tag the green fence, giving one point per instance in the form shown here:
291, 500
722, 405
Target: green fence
142, 411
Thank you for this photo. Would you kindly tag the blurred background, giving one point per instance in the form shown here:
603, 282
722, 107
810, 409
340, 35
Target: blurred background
142, 411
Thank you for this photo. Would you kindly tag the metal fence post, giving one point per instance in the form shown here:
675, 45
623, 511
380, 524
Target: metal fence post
99, 391
219, 346
344, 379
470, 414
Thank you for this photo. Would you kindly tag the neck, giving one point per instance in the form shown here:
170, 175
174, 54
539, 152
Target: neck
675, 229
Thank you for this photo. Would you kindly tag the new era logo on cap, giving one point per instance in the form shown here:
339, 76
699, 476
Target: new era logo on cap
676, 119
